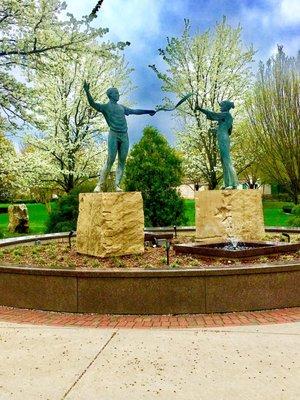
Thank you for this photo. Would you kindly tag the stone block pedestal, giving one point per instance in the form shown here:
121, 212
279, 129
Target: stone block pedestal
221, 214
110, 224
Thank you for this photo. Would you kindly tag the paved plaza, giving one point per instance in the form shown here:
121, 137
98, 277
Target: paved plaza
59, 361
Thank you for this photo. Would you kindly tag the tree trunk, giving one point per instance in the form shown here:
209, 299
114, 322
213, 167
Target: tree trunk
69, 183
295, 198
213, 181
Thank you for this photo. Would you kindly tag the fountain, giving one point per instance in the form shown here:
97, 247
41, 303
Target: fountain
234, 249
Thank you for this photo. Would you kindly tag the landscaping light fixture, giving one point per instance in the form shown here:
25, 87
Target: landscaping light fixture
71, 233
175, 231
287, 236
168, 246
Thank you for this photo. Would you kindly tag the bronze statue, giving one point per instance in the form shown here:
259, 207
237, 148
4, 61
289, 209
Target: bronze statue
118, 142
225, 120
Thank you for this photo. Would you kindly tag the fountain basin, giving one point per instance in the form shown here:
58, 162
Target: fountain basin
159, 291
240, 250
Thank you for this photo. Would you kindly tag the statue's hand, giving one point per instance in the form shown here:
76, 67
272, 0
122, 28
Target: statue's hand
152, 112
86, 86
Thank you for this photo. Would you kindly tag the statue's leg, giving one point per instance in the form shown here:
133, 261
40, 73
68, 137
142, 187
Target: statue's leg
123, 147
223, 142
229, 175
112, 153
233, 177
226, 172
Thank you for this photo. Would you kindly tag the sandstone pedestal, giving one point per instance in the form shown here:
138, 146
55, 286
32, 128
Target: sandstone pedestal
221, 214
110, 224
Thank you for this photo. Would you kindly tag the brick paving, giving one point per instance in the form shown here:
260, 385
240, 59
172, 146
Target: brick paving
37, 317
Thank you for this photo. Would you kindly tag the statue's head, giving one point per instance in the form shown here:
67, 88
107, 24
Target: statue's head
113, 94
226, 105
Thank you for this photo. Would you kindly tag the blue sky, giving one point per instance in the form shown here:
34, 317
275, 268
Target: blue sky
147, 24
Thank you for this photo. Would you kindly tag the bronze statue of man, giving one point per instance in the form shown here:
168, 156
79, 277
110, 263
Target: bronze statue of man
118, 142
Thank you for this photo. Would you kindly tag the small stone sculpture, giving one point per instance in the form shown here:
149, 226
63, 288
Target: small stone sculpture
118, 142
225, 120
18, 218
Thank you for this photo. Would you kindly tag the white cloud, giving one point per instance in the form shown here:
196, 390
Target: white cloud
281, 13
132, 17
254, 17
290, 12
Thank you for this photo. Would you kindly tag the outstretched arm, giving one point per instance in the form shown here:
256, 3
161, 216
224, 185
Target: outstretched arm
92, 103
213, 116
129, 111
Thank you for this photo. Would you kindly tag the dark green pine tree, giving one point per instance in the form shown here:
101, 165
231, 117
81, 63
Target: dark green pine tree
154, 168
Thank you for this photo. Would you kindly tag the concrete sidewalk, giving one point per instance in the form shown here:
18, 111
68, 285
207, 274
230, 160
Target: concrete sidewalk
56, 363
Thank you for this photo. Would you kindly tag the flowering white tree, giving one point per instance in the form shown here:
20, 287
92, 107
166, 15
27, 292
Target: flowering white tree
7, 175
69, 131
31, 31
214, 66
20, 172
245, 154
44, 60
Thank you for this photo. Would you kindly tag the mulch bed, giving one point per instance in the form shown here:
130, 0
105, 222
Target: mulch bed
58, 255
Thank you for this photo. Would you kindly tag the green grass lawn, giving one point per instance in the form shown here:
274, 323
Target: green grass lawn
37, 219
273, 216
189, 210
